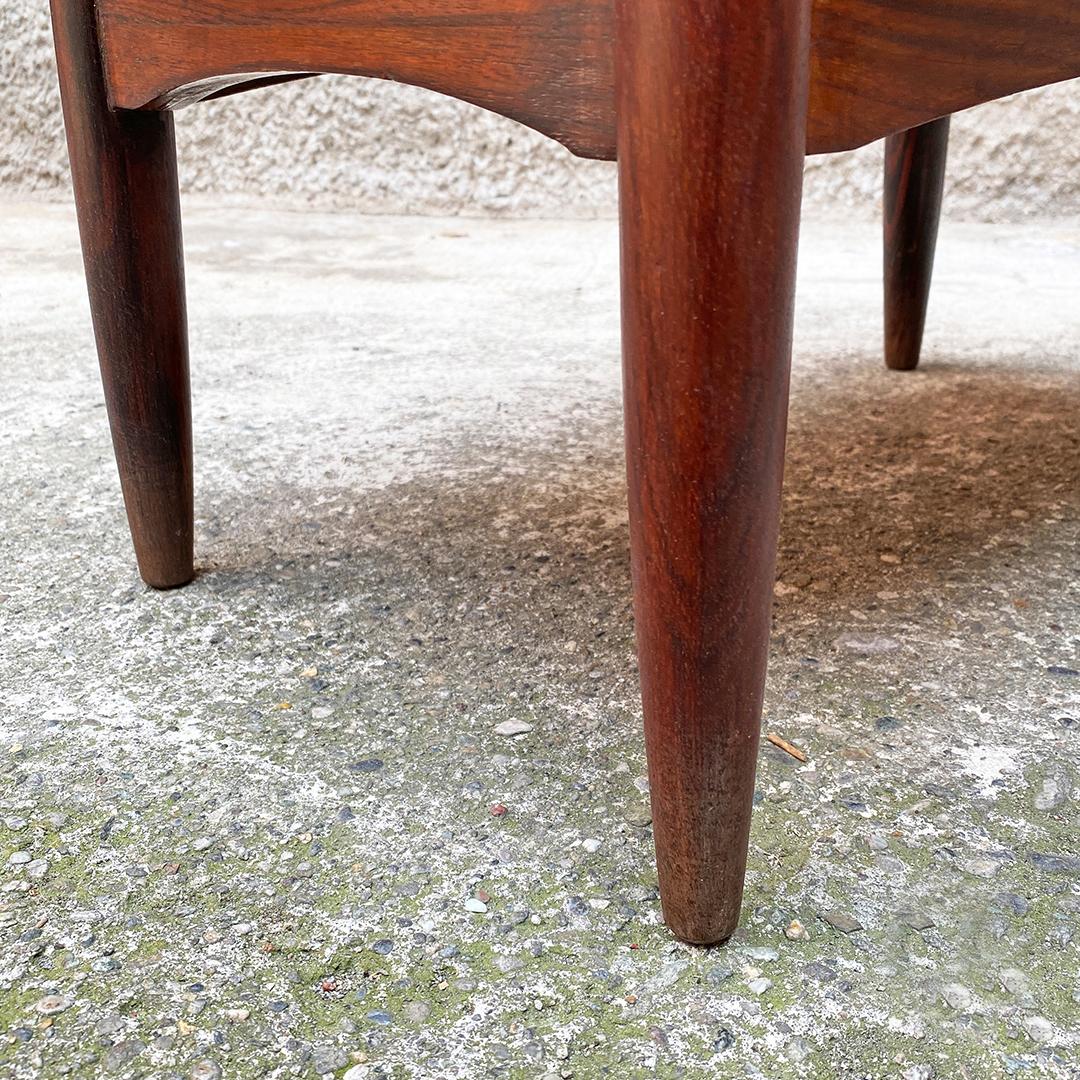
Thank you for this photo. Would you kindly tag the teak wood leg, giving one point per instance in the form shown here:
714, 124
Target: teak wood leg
711, 102
123, 167
914, 179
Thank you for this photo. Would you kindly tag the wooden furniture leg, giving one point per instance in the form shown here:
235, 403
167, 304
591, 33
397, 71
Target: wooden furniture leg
711, 122
914, 179
123, 166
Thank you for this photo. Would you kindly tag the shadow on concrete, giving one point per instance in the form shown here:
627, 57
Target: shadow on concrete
892, 481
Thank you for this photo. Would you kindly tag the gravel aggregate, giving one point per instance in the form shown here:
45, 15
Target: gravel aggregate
368, 799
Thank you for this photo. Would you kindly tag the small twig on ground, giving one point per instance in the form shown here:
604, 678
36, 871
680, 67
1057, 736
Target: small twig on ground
788, 748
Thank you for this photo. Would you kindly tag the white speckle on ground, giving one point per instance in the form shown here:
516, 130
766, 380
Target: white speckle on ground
990, 765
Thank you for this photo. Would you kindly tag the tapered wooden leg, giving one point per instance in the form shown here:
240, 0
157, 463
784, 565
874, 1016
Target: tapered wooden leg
123, 167
712, 117
914, 180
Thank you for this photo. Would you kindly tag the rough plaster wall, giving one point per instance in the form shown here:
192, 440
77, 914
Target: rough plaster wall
380, 148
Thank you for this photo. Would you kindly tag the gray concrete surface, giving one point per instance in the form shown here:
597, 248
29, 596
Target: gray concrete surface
370, 146
244, 826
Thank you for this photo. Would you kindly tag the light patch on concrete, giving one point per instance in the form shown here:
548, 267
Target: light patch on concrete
990, 765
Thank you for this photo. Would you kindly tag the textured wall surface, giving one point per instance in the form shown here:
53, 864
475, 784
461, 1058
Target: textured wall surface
381, 148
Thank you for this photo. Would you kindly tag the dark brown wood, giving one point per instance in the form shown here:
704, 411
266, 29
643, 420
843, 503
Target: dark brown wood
712, 114
914, 181
882, 66
877, 66
546, 63
123, 166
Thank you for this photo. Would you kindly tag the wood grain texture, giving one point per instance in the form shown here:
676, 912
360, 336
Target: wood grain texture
877, 66
883, 66
546, 63
914, 181
712, 113
123, 166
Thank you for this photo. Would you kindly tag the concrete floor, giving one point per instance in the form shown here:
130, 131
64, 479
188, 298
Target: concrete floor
244, 826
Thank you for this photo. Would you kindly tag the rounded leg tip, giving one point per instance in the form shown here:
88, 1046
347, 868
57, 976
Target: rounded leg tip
165, 577
167, 584
901, 363
903, 348
702, 927
704, 939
